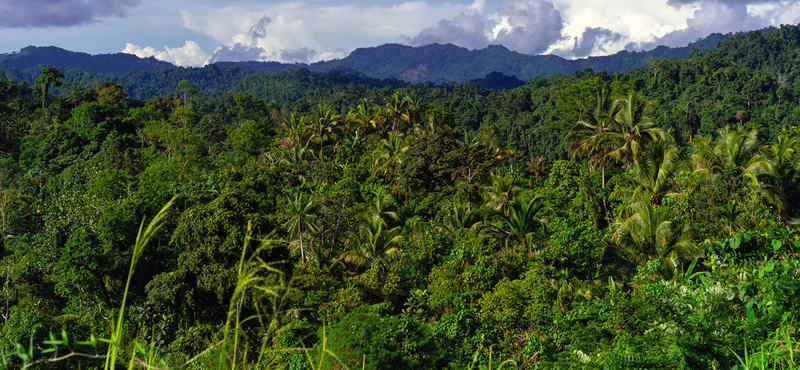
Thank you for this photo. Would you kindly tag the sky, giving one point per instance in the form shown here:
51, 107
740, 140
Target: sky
194, 33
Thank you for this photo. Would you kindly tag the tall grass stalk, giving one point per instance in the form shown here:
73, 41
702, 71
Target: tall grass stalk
325, 351
253, 274
142, 238
778, 353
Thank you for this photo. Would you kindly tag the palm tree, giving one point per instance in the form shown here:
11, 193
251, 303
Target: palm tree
398, 109
735, 149
295, 132
301, 221
501, 192
786, 168
470, 139
633, 128
653, 174
380, 205
569, 289
388, 155
371, 242
459, 217
649, 233
365, 116
538, 167
592, 134
325, 119
296, 136
522, 222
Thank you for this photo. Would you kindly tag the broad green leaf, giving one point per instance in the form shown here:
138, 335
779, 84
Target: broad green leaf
751, 315
734, 242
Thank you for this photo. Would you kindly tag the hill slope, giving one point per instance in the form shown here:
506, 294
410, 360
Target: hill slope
33, 56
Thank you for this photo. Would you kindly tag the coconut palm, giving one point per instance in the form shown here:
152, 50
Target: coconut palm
380, 205
388, 155
325, 120
653, 174
522, 222
539, 167
470, 139
786, 169
459, 216
649, 233
302, 220
296, 132
570, 289
592, 134
365, 117
371, 242
633, 128
735, 150
399, 109
501, 192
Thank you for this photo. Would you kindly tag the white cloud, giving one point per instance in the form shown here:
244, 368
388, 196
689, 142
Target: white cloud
528, 26
478, 5
314, 30
464, 30
299, 30
189, 54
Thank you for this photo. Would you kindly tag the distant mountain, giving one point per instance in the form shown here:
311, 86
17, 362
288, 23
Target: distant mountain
439, 63
393, 65
119, 63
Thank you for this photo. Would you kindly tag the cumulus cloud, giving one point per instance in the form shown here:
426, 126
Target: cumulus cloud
478, 5
309, 32
712, 16
301, 55
464, 30
730, 2
786, 14
190, 54
528, 26
237, 53
594, 39
59, 13
253, 46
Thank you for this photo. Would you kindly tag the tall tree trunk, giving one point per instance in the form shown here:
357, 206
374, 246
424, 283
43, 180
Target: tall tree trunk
302, 251
603, 181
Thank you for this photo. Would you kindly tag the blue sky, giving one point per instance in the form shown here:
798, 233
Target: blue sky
192, 33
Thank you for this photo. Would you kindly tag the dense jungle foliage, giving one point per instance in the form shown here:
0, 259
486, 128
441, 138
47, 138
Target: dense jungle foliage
587, 221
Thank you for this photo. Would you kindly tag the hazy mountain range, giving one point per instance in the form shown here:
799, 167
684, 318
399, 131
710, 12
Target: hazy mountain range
494, 67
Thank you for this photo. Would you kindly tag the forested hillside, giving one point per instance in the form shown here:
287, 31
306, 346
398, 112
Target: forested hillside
586, 221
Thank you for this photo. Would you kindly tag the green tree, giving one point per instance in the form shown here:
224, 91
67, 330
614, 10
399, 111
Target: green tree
302, 220
593, 133
371, 241
48, 78
388, 156
501, 192
786, 168
522, 222
650, 232
399, 109
459, 216
736, 154
366, 117
633, 129
324, 121
653, 174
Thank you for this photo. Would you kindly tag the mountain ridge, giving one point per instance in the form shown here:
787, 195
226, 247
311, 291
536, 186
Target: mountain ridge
429, 63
